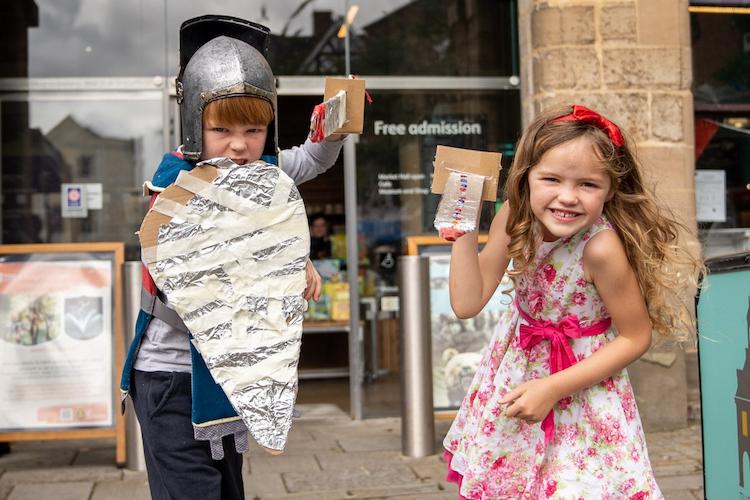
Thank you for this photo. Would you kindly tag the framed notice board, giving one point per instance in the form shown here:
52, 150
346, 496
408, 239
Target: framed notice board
61, 343
457, 345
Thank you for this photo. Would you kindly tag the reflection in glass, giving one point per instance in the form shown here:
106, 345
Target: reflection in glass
721, 59
390, 37
112, 146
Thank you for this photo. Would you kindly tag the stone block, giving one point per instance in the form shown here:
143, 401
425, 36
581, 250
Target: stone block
59, 491
662, 406
686, 69
569, 68
667, 117
629, 110
642, 68
572, 25
131, 489
659, 23
618, 23
669, 171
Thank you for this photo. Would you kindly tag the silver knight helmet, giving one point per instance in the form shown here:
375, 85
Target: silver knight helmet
221, 57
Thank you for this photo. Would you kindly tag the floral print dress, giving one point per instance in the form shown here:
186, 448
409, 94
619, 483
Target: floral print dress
598, 450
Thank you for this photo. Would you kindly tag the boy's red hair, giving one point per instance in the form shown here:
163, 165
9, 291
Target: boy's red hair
239, 110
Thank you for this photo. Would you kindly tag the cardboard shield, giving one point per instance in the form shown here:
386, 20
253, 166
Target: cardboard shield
227, 245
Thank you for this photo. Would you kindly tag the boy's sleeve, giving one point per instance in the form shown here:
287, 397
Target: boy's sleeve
305, 162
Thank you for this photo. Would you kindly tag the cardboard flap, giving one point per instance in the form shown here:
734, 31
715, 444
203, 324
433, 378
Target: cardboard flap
355, 102
484, 163
149, 232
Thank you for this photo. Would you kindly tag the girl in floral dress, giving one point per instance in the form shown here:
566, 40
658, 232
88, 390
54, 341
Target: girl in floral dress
551, 413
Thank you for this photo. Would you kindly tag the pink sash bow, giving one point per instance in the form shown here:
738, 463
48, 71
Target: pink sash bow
561, 355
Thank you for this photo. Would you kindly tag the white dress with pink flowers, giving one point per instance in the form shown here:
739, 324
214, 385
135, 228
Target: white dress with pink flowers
594, 448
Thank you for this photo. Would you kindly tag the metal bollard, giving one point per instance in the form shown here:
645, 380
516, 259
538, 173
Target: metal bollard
131, 275
417, 421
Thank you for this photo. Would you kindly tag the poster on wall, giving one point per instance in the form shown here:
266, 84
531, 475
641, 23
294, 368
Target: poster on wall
56, 340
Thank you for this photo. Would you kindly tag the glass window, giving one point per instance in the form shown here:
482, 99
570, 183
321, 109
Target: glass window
396, 151
388, 37
721, 87
110, 145
721, 59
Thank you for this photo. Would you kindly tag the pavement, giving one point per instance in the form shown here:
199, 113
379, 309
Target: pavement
328, 457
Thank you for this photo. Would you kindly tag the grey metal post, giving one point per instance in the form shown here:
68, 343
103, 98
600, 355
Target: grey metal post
356, 360
417, 421
131, 273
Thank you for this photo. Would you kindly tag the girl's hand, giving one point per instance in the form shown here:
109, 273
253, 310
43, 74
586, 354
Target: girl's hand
314, 282
532, 400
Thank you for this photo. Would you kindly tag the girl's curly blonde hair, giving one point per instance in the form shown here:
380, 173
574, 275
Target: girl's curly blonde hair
656, 244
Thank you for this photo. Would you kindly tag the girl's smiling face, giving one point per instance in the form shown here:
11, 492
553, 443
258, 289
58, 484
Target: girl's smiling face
568, 189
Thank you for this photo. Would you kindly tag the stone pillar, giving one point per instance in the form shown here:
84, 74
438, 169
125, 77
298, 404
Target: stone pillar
630, 60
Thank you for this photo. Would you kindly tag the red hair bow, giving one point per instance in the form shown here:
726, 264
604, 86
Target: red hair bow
584, 114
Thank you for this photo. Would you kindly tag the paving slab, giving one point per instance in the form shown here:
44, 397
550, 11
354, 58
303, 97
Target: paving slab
682, 482
263, 486
95, 456
257, 464
395, 474
62, 475
333, 461
34, 459
328, 457
128, 489
59, 491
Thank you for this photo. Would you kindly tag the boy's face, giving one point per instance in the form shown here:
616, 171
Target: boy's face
241, 143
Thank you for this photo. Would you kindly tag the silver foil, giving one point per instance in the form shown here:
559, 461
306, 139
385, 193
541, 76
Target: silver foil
179, 231
202, 253
294, 307
259, 406
293, 266
255, 304
265, 406
274, 250
233, 359
255, 182
199, 278
461, 202
203, 310
218, 332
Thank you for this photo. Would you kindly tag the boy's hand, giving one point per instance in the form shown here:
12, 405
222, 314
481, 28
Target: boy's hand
531, 401
314, 282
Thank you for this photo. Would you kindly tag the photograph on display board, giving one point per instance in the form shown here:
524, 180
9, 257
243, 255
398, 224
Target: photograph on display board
56, 341
457, 345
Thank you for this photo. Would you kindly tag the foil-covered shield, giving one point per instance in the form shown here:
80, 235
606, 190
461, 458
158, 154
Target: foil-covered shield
228, 245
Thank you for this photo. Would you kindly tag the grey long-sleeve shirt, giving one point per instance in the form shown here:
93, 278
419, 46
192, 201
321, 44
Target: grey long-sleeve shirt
166, 349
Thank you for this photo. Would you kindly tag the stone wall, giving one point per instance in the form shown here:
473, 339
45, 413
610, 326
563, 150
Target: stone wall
631, 61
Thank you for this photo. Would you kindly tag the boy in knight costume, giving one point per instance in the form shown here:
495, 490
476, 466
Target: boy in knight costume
193, 438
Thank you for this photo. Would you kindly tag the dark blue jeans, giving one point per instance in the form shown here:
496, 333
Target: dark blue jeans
180, 467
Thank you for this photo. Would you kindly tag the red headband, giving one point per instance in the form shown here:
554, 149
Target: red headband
584, 114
